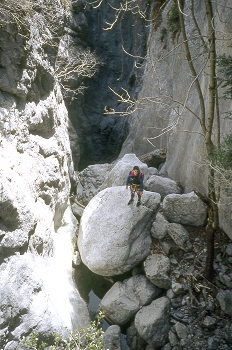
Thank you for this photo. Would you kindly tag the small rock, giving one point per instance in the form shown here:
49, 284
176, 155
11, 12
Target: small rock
181, 330
179, 235
212, 344
76, 258
209, 322
229, 250
166, 347
173, 340
168, 246
159, 227
225, 300
157, 267
177, 288
112, 338
170, 294
176, 302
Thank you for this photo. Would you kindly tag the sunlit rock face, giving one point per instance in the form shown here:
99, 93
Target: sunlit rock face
114, 237
37, 227
162, 120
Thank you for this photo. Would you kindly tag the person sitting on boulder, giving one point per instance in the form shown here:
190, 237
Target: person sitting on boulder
135, 181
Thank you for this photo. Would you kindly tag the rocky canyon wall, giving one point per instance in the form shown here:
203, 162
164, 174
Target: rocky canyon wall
160, 116
37, 227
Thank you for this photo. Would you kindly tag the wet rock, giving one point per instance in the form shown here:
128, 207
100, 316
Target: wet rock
125, 298
152, 322
112, 247
185, 209
157, 268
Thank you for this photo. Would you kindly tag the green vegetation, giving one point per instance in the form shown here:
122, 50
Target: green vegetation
83, 339
225, 69
163, 33
221, 161
222, 155
173, 21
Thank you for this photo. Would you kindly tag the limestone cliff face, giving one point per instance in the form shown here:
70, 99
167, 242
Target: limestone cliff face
167, 74
37, 228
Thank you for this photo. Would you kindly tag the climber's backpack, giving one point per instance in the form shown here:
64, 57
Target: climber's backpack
141, 174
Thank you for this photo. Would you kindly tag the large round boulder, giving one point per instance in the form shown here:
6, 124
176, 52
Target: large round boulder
113, 236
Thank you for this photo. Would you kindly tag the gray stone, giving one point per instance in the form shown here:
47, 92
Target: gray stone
152, 171
162, 185
225, 300
112, 338
181, 330
166, 347
229, 249
225, 279
134, 340
90, 180
185, 209
212, 343
168, 246
170, 294
151, 200
159, 227
119, 173
125, 298
113, 236
209, 322
177, 288
77, 210
152, 322
173, 340
157, 268
76, 258
180, 236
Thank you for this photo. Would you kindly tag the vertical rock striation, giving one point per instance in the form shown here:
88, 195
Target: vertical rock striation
37, 227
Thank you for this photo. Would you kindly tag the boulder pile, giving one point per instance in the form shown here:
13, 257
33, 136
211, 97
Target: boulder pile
166, 303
